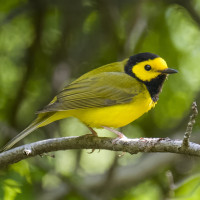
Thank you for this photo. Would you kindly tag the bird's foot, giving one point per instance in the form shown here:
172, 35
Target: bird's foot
119, 134
93, 151
93, 134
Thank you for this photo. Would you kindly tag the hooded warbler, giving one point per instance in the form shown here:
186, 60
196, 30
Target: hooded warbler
113, 95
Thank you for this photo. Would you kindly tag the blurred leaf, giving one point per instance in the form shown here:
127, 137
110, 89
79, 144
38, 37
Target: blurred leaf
146, 191
90, 21
23, 169
11, 189
189, 189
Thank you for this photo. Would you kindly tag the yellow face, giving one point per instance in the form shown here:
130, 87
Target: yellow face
149, 69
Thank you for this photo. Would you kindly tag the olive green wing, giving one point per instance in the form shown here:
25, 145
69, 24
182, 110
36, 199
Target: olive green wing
104, 89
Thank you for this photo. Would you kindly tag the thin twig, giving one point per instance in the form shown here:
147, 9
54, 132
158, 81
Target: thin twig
170, 178
190, 125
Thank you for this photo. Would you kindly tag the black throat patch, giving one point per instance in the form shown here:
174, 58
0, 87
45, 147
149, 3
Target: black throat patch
155, 86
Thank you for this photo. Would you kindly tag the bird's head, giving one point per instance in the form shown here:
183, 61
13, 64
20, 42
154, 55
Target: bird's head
147, 67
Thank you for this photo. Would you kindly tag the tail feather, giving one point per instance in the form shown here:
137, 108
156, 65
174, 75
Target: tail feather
19, 137
33, 126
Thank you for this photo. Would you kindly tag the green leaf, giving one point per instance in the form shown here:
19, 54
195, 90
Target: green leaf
189, 189
11, 189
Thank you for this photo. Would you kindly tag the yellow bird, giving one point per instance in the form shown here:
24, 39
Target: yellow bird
113, 95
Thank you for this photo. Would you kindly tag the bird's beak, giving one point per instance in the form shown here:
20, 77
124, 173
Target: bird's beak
168, 71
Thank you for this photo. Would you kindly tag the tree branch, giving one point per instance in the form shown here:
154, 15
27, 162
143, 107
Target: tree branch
132, 146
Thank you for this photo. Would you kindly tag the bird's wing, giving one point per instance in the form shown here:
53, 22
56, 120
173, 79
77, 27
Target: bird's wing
104, 89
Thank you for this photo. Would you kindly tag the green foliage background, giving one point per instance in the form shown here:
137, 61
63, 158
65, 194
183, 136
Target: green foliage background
45, 44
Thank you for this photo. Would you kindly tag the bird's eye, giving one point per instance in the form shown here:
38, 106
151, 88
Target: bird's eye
147, 67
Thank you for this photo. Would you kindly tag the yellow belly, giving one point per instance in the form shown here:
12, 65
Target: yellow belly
112, 116
115, 116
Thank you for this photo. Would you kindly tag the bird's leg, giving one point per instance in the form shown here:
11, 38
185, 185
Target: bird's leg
94, 133
118, 133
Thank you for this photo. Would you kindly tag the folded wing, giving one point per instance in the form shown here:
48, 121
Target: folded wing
101, 90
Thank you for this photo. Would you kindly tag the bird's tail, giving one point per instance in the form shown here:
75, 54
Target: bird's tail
38, 122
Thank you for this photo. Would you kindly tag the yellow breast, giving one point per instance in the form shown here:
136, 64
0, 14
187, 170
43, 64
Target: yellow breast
118, 115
